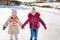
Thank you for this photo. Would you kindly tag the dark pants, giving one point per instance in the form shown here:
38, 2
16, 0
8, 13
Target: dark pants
34, 34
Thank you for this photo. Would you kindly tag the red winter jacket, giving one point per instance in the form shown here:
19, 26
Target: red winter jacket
34, 21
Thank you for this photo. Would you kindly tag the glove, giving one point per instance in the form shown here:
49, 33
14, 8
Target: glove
45, 27
22, 27
4, 27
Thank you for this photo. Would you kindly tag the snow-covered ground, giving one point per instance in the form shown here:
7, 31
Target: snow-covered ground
50, 16
57, 4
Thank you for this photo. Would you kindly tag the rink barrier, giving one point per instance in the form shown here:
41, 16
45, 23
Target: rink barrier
17, 7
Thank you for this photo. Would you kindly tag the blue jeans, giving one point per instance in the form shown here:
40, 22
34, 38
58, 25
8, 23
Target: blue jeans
34, 34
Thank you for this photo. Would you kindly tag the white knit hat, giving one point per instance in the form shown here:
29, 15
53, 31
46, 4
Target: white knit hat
33, 9
14, 11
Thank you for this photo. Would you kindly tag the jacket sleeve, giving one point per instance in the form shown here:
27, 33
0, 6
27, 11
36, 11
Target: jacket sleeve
19, 22
26, 22
42, 22
7, 23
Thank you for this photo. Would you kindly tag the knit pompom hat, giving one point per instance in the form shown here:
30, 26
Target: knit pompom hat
33, 9
14, 11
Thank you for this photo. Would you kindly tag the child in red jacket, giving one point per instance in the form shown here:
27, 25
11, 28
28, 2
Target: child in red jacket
34, 20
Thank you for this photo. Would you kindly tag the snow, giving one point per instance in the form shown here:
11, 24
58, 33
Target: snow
50, 16
57, 4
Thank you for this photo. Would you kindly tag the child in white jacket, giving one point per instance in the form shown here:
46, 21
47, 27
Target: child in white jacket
13, 23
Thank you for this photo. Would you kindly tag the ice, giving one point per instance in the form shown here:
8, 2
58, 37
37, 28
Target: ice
50, 16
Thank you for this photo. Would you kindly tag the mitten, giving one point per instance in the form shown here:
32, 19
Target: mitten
45, 27
22, 26
4, 27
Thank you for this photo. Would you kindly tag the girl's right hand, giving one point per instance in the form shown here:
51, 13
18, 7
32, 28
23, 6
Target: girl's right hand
4, 27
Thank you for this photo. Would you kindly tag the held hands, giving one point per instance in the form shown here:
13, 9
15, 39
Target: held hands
22, 26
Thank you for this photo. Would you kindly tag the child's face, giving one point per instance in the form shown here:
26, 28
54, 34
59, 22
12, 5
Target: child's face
33, 13
14, 17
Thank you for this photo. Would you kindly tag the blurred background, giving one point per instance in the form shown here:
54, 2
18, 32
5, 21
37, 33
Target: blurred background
18, 2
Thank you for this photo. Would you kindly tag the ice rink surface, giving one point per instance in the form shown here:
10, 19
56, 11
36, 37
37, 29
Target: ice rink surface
50, 16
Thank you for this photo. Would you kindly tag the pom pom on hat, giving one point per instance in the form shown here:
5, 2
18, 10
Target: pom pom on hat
14, 11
